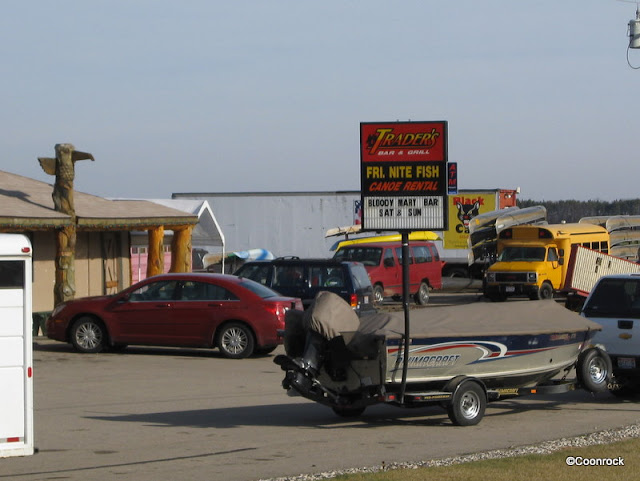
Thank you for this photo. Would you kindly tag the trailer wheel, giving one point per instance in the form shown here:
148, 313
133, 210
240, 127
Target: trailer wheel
422, 296
593, 370
348, 412
468, 404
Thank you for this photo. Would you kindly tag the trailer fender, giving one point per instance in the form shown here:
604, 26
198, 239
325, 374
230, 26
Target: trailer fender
453, 384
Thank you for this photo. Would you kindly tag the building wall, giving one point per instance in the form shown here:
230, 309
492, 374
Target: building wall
287, 224
139, 262
102, 265
44, 271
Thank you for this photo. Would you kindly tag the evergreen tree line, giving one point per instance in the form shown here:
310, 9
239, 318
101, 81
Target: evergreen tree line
574, 210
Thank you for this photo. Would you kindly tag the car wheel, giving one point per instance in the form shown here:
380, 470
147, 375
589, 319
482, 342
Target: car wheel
422, 296
235, 341
457, 272
378, 294
546, 291
88, 335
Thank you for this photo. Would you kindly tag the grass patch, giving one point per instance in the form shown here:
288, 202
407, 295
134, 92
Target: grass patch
538, 467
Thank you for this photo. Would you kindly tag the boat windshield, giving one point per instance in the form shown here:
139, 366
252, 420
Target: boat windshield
369, 256
522, 253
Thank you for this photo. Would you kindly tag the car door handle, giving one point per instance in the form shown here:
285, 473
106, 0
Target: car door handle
215, 304
164, 305
625, 324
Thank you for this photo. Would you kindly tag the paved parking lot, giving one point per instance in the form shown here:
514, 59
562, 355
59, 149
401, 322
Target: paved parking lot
167, 414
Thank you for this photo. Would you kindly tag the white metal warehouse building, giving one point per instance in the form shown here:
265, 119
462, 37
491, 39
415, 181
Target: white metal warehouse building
285, 223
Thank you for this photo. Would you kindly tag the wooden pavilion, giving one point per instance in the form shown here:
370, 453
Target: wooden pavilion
103, 226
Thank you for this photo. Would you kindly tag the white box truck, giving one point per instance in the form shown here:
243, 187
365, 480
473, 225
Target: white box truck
585, 269
16, 350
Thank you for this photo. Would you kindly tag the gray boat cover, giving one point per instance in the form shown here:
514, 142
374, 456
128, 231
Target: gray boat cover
330, 316
479, 318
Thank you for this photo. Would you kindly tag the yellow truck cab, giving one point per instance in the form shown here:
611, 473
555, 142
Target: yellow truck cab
532, 259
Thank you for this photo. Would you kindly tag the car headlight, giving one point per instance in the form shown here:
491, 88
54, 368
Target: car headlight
58, 308
532, 277
491, 277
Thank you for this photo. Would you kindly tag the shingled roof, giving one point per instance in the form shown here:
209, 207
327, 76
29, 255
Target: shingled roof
26, 204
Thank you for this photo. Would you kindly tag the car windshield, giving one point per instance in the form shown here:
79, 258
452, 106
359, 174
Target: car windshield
369, 256
615, 297
521, 253
255, 272
361, 276
258, 289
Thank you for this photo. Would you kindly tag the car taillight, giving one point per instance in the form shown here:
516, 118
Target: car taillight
277, 310
354, 301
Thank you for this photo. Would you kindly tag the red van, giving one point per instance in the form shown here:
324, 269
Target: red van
383, 261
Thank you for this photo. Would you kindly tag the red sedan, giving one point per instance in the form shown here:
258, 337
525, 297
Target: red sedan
238, 316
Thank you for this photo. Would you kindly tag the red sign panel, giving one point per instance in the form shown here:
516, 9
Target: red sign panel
403, 174
403, 142
452, 185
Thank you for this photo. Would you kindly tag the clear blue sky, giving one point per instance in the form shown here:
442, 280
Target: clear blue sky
268, 95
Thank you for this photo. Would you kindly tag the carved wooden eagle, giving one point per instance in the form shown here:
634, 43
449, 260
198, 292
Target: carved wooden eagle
49, 164
63, 167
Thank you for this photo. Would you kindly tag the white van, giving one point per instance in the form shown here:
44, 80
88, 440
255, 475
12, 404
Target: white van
614, 303
16, 350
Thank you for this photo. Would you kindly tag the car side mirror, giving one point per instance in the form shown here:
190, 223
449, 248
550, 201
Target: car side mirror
124, 298
388, 262
561, 261
561, 252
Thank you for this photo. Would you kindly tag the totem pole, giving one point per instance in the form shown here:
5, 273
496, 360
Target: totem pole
62, 166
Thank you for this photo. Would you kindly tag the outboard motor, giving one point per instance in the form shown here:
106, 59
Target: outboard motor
315, 329
309, 364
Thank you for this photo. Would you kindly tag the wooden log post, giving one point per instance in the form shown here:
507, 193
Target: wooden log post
181, 249
155, 252
63, 167
65, 284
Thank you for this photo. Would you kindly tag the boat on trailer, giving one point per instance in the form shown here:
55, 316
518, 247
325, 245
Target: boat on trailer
459, 357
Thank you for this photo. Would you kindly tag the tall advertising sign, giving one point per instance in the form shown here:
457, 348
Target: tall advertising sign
463, 207
404, 177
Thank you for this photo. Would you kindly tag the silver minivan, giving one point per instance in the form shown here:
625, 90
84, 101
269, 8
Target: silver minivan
614, 303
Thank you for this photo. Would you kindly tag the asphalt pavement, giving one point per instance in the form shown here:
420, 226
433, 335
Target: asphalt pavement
154, 414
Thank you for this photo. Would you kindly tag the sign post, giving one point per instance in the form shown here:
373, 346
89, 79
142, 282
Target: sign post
404, 178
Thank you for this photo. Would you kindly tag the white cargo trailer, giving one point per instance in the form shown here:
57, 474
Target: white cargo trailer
284, 223
587, 266
16, 350
295, 223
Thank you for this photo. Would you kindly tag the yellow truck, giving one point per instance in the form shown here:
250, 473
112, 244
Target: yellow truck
533, 260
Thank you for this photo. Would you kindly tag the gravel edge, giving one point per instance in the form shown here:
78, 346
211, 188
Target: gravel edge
547, 447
